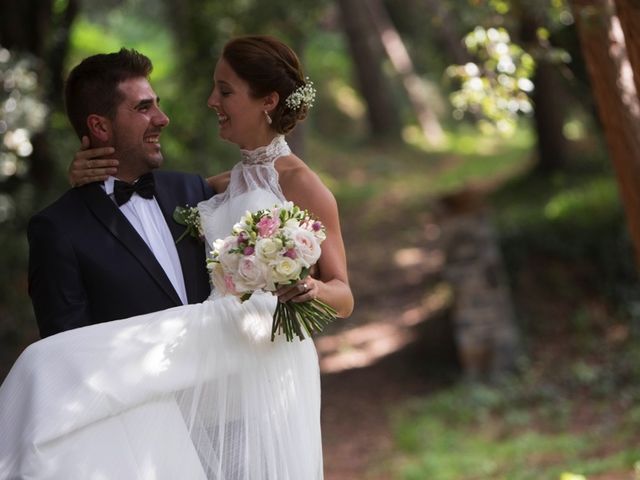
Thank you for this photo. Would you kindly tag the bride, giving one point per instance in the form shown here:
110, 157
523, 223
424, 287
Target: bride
196, 391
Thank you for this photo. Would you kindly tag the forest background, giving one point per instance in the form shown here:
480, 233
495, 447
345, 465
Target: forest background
428, 112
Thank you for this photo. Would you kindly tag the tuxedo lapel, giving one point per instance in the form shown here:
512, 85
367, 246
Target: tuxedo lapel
168, 202
110, 216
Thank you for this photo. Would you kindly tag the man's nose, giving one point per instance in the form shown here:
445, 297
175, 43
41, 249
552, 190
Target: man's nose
161, 119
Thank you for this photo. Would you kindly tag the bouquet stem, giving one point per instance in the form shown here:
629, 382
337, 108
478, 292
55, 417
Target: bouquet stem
298, 319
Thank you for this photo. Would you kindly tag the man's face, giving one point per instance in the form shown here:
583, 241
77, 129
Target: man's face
136, 129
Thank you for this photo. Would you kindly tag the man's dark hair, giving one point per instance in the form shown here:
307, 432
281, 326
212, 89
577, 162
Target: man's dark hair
92, 86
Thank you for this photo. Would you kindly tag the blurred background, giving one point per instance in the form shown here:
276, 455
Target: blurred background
485, 155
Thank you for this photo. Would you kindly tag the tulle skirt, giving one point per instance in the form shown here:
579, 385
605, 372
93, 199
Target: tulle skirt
194, 392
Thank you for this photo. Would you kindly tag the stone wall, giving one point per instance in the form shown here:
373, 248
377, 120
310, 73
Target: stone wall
482, 315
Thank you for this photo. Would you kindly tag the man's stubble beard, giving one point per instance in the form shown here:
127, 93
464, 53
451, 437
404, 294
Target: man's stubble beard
136, 158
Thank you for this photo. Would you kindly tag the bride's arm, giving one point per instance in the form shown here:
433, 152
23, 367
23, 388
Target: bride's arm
331, 284
219, 182
91, 165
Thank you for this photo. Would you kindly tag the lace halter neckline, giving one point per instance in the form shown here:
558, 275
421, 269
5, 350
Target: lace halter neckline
266, 154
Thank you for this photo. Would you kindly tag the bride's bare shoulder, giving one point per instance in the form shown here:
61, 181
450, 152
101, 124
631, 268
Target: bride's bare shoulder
293, 171
299, 183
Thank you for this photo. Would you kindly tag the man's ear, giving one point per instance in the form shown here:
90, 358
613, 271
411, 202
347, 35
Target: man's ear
270, 101
99, 127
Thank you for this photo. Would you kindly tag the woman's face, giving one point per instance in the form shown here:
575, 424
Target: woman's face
240, 116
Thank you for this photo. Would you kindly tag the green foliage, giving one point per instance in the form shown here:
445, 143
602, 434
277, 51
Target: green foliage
496, 88
358, 174
527, 428
340, 113
573, 409
506, 40
22, 115
570, 217
118, 29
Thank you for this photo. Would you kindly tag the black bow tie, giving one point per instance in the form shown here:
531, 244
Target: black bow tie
144, 187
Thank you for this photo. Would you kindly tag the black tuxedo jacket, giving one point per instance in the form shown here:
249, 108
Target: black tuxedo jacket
87, 264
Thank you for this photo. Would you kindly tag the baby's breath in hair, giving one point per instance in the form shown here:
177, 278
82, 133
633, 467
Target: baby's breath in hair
303, 95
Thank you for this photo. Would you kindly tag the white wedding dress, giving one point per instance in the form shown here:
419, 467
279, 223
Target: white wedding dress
194, 392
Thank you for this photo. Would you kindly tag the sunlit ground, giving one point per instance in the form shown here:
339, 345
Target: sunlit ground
363, 345
573, 416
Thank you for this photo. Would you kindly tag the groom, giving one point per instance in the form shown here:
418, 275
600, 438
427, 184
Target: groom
107, 250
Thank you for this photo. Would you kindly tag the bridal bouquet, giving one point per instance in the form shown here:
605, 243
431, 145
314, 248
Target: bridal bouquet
268, 249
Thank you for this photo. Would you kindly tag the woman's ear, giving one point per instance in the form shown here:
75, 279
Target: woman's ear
270, 101
99, 127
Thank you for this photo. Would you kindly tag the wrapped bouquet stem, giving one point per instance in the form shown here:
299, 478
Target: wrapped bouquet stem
266, 250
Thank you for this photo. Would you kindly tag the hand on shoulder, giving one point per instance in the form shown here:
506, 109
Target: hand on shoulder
219, 182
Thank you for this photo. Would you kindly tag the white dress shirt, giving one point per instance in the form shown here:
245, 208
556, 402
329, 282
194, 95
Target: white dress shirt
147, 219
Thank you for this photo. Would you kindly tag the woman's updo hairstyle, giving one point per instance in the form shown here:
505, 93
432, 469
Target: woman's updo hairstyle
268, 65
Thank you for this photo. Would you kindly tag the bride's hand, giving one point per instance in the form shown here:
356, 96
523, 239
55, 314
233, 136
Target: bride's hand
88, 166
301, 291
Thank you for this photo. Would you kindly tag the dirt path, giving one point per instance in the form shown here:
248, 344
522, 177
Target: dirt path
386, 353
356, 407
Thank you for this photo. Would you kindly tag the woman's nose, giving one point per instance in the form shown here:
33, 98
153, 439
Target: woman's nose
212, 101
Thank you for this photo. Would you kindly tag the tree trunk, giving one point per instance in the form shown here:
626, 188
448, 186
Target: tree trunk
629, 15
198, 45
548, 98
549, 116
449, 33
613, 86
363, 42
30, 26
25, 24
57, 53
401, 61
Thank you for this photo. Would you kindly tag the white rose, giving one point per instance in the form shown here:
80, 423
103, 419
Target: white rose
227, 258
286, 269
250, 275
307, 246
291, 224
267, 249
218, 245
242, 226
247, 218
321, 235
217, 277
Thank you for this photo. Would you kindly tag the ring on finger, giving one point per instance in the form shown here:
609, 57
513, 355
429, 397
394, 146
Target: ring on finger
305, 287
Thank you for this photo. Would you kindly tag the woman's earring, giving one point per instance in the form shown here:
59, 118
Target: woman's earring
266, 114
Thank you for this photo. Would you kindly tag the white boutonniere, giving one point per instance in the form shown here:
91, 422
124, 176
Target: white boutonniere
190, 218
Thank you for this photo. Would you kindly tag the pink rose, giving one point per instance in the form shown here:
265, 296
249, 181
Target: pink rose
267, 226
229, 284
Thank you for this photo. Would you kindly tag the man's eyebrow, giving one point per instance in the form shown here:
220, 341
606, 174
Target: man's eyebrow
146, 102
